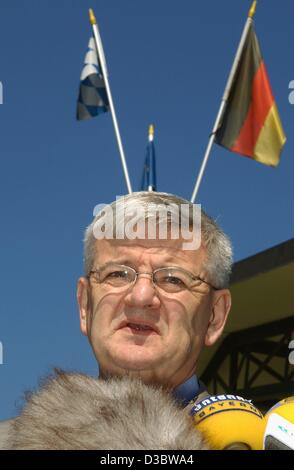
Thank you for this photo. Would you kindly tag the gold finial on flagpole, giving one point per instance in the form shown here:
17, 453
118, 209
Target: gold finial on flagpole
252, 9
92, 17
151, 132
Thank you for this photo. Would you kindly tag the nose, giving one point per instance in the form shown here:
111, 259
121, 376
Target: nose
143, 293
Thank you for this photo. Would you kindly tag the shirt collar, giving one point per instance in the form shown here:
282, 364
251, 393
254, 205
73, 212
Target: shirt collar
188, 390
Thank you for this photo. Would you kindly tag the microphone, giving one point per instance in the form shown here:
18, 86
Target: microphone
279, 431
229, 422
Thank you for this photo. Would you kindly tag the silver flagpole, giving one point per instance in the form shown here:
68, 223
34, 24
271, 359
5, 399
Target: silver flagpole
224, 98
102, 61
151, 169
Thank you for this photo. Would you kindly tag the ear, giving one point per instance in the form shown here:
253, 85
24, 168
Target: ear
221, 305
83, 301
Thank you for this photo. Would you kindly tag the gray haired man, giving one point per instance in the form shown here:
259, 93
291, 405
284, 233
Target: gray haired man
149, 304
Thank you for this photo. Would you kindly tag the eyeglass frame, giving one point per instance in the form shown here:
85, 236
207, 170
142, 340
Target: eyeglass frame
152, 273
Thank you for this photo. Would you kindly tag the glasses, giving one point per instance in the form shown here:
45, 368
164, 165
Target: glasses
169, 279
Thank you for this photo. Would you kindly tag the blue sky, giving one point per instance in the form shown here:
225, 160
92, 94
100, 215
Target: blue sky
168, 62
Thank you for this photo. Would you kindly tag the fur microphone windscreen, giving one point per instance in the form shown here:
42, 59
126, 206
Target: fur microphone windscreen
75, 411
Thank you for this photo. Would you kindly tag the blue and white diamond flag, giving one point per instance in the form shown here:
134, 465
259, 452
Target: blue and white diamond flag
93, 98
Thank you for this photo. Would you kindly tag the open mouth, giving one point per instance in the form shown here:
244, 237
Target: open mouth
138, 328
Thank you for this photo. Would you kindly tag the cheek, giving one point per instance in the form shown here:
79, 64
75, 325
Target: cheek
189, 317
105, 309
180, 316
199, 320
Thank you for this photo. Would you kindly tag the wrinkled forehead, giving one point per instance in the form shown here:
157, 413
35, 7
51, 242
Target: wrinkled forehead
155, 251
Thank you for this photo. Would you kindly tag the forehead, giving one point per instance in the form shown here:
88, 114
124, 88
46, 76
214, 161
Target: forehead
157, 252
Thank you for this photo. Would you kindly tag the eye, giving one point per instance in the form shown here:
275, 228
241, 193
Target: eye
170, 281
117, 274
171, 284
173, 280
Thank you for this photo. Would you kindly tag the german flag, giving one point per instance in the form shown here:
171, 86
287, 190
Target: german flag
251, 125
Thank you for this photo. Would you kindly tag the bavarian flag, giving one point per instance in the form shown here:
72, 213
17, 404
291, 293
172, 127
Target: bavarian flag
251, 125
92, 98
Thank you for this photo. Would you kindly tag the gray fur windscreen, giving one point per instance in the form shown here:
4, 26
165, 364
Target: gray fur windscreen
75, 411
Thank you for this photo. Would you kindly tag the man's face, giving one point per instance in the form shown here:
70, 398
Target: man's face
178, 324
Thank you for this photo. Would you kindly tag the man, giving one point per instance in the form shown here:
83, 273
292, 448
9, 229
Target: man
149, 303
149, 306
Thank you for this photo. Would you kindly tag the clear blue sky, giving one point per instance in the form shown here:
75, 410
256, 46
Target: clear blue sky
168, 62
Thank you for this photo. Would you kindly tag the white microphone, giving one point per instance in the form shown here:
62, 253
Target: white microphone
279, 431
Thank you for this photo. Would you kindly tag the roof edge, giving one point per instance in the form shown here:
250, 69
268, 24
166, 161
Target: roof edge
264, 261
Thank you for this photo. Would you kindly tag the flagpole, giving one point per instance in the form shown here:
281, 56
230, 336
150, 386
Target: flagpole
225, 97
151, 165
102, 61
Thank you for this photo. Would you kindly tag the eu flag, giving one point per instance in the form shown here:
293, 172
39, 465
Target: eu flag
149, 171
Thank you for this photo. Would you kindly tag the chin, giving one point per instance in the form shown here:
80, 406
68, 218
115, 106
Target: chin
135, 357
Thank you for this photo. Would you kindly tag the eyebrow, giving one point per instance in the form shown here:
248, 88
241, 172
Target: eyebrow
122, 262
127, 262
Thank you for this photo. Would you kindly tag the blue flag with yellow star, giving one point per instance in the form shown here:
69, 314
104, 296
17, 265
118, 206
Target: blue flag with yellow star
149, 170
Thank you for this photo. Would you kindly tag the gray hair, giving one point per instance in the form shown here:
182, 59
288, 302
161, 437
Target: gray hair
219, 249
